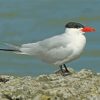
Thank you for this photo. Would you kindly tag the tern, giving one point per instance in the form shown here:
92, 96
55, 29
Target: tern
59, 49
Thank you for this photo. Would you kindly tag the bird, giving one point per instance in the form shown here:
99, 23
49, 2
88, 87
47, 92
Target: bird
59, 49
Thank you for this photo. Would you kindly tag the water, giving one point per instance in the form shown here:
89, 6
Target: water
23, 21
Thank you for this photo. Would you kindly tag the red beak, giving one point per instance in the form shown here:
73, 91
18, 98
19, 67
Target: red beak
88, 29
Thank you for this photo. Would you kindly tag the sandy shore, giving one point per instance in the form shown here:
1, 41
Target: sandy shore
83, 85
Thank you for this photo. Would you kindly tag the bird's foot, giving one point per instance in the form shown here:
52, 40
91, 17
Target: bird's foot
63, 72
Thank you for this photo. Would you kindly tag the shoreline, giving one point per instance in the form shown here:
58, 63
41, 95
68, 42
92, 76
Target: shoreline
82, 85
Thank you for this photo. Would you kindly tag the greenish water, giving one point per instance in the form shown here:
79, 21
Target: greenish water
23, 21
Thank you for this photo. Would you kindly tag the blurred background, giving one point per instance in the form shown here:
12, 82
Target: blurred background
24, 21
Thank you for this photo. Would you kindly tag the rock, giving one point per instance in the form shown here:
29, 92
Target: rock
83, 85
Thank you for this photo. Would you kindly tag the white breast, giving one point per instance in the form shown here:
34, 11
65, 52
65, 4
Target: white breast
77, 45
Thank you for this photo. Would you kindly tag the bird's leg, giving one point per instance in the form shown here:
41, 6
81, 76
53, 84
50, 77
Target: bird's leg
66, 70
61, 69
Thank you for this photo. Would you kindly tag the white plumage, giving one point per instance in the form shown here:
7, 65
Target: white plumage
59, 49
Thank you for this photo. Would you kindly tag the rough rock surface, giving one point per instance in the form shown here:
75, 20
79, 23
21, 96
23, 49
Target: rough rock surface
83, 85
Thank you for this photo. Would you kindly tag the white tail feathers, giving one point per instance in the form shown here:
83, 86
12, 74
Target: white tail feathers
12, 46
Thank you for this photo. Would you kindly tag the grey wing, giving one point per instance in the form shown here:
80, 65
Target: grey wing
49, 43
54, 42
50, 50
45, 45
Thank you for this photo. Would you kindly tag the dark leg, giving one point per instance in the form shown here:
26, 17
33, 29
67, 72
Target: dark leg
66, 70
61, 69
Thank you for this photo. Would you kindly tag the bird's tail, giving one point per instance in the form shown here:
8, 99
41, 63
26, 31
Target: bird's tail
10, 50
13, 48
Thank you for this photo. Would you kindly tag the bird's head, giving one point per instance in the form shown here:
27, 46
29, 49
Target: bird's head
77, 27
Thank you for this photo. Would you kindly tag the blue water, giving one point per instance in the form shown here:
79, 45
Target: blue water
23, 21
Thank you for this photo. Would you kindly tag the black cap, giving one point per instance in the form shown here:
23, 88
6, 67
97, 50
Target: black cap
74, 25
